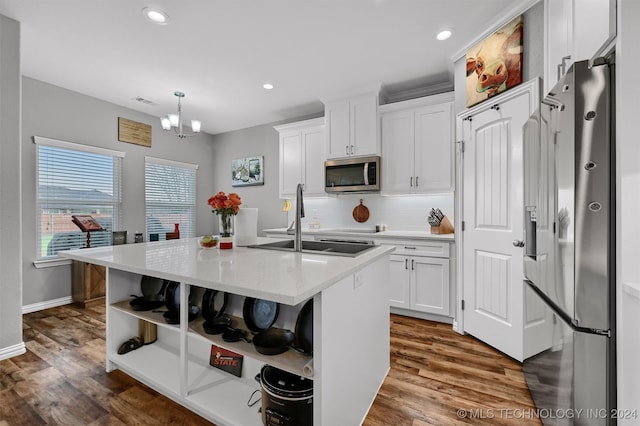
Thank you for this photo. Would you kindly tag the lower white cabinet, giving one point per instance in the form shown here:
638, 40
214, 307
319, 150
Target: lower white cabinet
430, 289
420, 279
420, 284
400, 288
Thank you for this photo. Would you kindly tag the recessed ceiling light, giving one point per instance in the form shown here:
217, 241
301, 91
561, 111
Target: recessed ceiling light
443, 35
268, 86
156, 16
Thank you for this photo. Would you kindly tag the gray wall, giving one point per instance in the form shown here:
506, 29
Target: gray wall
533, 54
253, 141
10, 215
57, 113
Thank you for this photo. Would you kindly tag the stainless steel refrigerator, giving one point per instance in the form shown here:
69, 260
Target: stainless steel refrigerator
569, 247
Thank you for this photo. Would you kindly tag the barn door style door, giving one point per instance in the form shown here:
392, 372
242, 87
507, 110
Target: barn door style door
492, 211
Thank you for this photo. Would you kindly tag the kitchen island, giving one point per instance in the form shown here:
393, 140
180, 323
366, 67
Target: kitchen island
350, 324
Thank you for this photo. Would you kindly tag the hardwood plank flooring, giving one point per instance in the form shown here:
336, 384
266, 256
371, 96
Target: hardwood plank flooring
435, 373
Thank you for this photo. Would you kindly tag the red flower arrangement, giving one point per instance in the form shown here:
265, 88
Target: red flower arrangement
225, 205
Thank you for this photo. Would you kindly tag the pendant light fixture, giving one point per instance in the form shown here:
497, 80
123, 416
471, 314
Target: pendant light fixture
174, 121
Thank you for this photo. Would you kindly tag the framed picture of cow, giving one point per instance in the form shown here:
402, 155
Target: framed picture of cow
495, 64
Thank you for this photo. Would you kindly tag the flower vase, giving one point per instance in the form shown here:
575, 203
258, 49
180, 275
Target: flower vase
226, 231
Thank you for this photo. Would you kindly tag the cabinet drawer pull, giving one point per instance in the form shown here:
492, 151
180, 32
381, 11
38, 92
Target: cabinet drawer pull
410, 247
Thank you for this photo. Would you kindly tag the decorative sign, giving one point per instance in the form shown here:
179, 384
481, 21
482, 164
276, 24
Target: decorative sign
133, 132
247, 171
495, 64
226, 360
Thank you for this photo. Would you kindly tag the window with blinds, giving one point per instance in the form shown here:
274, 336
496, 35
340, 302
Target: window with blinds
170, 197
75, 179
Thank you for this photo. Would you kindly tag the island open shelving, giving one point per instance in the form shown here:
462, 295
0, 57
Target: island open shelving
350, 323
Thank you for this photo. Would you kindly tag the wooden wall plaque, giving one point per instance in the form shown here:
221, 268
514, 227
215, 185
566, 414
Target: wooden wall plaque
133, 132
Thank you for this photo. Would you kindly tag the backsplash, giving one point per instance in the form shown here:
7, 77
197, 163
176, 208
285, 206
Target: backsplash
399, 213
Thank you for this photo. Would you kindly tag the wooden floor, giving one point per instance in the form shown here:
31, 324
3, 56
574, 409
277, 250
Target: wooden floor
437, 377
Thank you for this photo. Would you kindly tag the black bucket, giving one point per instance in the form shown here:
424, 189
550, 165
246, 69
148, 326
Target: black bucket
287, 399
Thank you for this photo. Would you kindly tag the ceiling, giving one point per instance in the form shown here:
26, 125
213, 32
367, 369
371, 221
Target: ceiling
221, 52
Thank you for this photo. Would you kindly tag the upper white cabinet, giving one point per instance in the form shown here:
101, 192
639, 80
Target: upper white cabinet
417, 146
574, 31
302, 158
352, 127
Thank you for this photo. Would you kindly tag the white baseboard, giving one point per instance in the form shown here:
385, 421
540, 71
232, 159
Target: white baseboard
456, 327
421, 315
11, 351
26, 309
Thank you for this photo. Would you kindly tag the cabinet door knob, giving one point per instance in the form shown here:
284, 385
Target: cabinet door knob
518, 243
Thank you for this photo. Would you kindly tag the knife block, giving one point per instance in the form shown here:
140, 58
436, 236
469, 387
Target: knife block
445, 227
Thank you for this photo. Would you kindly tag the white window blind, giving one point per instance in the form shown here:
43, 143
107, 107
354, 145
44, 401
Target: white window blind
170, 197
75, 179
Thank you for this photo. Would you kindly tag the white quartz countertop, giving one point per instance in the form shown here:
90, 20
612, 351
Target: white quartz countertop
279, 276
368, 234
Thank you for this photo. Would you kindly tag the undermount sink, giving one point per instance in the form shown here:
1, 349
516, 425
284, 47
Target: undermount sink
318, 247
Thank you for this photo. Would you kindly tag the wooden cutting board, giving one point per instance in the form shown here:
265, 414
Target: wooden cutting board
361, 213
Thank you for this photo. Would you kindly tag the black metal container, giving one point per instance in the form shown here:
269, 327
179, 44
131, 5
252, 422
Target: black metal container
287, 399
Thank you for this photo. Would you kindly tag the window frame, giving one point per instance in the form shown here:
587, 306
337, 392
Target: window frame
115, 205
185, 231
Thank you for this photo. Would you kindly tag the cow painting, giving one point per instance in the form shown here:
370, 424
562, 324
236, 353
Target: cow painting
495, 64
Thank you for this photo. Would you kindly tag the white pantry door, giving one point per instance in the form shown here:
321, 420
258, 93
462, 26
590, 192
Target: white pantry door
493, 218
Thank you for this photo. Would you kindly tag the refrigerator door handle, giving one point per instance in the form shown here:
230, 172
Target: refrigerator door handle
560, 313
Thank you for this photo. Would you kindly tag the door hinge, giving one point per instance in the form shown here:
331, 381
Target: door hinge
462, 304
462, 225
461, 145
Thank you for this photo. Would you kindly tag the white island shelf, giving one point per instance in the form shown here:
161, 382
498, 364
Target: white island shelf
349, 363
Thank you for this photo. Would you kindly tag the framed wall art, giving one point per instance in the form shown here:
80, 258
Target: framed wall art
247, 171
495, 64
133, 132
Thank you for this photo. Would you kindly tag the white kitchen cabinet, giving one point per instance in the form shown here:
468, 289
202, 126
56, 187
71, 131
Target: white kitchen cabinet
420, 280
430, 287
302, 158
574, 31
417, 148
400, 291
352, 127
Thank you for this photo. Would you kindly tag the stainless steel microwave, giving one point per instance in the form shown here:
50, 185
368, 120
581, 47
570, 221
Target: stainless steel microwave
354, 174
